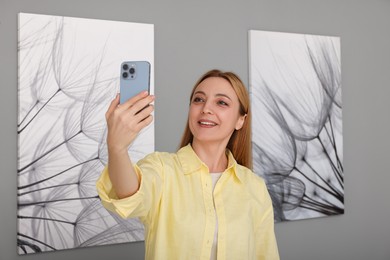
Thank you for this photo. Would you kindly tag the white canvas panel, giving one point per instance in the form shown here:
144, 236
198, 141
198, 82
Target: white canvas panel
68, 74
295, 88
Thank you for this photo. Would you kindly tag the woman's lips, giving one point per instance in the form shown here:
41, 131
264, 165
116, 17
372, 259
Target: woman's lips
207, 123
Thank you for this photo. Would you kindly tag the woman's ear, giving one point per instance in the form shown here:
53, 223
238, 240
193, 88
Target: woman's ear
240, 122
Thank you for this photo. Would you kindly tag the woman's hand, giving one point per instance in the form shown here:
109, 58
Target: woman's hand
125, 121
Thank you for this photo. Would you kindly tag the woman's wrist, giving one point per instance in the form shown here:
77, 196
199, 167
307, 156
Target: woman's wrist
117, 151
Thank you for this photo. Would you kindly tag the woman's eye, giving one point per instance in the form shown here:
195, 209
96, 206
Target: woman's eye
222, 103
197, 100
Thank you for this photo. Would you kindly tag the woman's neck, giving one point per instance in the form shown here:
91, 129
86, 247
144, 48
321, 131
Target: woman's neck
214, 156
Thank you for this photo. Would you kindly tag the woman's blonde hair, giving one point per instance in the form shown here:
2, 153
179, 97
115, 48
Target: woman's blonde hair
240, 143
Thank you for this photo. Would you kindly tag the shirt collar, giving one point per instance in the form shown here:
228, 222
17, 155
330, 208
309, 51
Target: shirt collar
191, 162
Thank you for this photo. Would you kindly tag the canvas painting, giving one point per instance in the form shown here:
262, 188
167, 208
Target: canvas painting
68, 73
295, 89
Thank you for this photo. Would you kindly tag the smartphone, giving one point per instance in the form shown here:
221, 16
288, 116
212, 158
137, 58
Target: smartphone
134, 78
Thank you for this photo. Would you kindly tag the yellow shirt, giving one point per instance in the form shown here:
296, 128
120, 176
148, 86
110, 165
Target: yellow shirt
175, 203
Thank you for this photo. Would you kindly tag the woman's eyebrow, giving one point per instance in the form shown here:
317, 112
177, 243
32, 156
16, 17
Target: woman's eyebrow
200, 92
217, 95
223, 95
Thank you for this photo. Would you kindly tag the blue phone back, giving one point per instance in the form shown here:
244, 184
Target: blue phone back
134, 78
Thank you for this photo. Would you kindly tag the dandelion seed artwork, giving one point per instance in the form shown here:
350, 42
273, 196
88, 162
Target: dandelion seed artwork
295, 88
68, 74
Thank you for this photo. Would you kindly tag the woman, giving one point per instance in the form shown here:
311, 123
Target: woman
202, 202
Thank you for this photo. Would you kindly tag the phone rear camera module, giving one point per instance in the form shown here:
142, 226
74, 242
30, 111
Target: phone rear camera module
125, 67
125, 75
132, 70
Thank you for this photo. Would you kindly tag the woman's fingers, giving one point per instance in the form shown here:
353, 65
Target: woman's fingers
144, 123
130, 103
141, 105
126, 120
143, 114
131, 119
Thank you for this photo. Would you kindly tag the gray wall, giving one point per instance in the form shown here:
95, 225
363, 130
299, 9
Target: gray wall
195, 36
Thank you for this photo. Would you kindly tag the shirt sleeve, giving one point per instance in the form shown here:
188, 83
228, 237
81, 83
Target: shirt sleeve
143, 202
266, 248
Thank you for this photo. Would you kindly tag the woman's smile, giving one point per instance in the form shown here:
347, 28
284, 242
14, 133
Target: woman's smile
206, 123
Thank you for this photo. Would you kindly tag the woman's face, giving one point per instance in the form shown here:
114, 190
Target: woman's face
214, 111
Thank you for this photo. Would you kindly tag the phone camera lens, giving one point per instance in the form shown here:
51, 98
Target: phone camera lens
125, 66
125, 75
132, 70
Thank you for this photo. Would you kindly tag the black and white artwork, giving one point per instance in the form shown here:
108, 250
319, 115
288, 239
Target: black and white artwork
295, 89
68, 74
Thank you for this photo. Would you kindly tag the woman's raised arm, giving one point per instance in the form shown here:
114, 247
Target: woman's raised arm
124, 122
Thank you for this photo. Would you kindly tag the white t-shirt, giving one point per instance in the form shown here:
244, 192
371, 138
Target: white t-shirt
215, 177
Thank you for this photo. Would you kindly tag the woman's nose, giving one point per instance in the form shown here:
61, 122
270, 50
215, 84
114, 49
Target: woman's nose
207, 108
